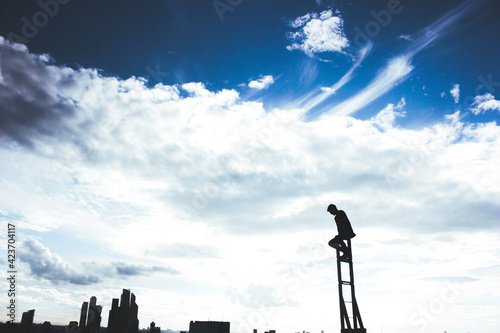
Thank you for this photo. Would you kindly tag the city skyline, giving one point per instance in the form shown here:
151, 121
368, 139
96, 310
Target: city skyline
188, 151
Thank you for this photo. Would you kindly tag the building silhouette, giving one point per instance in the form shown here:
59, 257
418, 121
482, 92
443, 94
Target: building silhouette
73, 327
26, 321
123, 318
46, 327
90, 317
209, 327
153, 328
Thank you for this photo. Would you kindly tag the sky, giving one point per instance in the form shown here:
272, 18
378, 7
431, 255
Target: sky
188, 150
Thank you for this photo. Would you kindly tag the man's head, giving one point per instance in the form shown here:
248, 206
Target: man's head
332, 209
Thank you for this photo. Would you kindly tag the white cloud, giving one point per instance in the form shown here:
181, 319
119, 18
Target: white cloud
262, 83
405, 37
196, 89
301, 20
386, 118
323, 32
483, 103
455, 92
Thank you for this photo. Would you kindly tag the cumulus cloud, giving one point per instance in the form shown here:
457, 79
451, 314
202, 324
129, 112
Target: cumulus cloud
31, 110
49, 266
262, 83
455, 92
386, 118
323, 32
483, 103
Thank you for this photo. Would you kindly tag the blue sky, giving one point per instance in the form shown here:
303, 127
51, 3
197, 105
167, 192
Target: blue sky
188, 150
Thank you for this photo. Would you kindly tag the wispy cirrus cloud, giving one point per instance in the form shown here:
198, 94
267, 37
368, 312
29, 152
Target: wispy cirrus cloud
444, 25
390, 76
399, 67
319, 95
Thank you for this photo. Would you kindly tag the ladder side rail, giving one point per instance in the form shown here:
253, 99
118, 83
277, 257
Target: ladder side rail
355, 309
357, 315
344, 316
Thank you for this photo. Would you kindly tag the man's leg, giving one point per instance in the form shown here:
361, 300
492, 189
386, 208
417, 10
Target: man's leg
334, 242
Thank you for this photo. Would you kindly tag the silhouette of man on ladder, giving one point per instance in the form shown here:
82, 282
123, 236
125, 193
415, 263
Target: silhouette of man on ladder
344, 229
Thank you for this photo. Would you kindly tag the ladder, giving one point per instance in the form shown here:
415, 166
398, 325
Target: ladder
348, 326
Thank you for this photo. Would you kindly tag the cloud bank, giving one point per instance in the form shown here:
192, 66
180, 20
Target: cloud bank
200, 154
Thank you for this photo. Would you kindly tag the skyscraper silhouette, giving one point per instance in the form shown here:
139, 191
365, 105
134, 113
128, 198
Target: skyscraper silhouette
123, 318
90, 317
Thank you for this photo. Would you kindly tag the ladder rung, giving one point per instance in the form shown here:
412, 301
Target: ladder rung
346, 282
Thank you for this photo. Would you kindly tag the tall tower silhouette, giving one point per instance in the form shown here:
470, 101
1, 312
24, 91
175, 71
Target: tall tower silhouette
90, 317
123, 318
350, 318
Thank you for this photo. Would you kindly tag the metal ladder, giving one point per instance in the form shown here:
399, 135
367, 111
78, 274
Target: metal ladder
348, 326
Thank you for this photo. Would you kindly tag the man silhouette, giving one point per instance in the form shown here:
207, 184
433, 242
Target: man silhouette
344, 229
